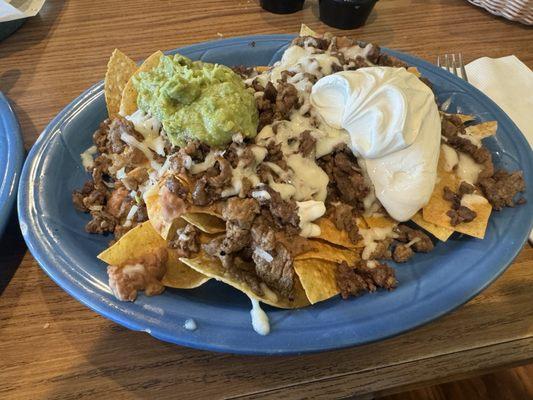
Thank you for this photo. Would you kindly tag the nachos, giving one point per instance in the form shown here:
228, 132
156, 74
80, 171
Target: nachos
292, 183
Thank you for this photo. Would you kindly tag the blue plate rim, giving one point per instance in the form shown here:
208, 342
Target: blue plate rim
13, 155
47, 261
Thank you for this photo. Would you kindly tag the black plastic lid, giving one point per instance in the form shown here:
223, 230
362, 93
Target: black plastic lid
345, 14
282, 6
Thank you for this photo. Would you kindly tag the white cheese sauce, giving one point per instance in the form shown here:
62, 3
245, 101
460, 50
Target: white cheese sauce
87, 157
260, 321
467, 169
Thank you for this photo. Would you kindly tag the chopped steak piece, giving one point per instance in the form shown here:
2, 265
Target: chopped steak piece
275, 268
209, 185
451, 126
144, 273
200, 194
389, 61
449, 195
355, 63
135, 177
175, 186
461, 214
223, 178
406, 234
196, 150
100, 136
465, 188
344, 219
382, 250
270, 92
402, 253
310, 41
117, 128
263, 235
187, 241
307, 143
275, 155
286, 100
346, 183
243, 71
284, 212
365, 276
239, 215
501, 188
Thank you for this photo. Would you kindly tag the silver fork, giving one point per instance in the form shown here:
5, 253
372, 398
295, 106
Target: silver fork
453, 63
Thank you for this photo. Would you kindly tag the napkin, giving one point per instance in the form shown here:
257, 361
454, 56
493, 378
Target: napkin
509, 83
16, 9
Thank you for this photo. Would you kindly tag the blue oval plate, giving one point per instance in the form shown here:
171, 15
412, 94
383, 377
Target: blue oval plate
11, 159
430, 285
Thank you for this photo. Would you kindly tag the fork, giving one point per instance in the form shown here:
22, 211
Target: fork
452, 63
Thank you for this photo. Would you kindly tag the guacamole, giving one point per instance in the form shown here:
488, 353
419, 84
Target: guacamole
196, 100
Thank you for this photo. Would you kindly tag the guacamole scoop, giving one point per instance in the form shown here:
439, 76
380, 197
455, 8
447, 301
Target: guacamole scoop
197, 101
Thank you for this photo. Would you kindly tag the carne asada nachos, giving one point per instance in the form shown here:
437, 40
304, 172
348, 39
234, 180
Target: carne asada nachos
292, 183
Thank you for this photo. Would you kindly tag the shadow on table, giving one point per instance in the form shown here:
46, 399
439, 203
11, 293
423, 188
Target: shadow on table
12, 250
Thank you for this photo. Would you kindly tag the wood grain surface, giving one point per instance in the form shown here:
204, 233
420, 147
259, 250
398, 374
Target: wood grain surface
52, 347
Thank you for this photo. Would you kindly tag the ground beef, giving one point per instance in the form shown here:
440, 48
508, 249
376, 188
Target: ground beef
119, 202
346, 183
307, 143
144, 273
135, 177
101, 222
286, 100
461, 214
451, 126
364, 276
501, 188
187, 241
451, 196
406, 234
117, 128
100, 136
196, 150
382, 250
465, 188
344, 218
353, 64
402, 253
88, 196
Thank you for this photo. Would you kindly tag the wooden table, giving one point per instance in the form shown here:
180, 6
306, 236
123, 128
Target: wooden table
53, 347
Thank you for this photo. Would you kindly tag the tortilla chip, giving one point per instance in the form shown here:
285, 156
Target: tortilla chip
435, 211
213, 268
128, 105
143, 239
414, 71
317, 278
260, 69
306, 31
120, 68
483, 130
439, 232
153, 208
330, 233
205, 222
380, 221
463, 117
478, 226
325, 251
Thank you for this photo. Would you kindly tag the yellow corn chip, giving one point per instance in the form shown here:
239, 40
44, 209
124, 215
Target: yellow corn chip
153, 207
120, 68
325, 251
317, 278
380, 221
483, 130
261, 68
213, 268
128, 105
306, 31
331, 234
144, 239
414, 71
435, 211
439, 232
205, 222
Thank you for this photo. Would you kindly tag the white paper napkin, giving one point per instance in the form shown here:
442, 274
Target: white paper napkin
509, 83
16, 9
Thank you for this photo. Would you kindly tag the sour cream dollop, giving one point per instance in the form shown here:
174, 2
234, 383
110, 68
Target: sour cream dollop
394, 127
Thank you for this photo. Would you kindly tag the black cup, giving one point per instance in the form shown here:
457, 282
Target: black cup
282, 6
345, 14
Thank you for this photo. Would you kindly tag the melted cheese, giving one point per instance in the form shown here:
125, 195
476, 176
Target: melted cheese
372, 236
309, 211
87, 157
467, 169
260, 321
451, 159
